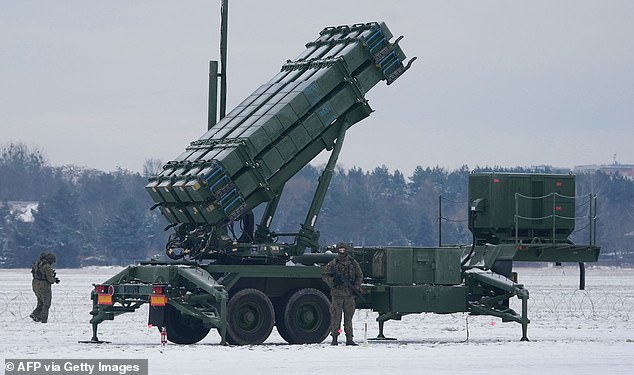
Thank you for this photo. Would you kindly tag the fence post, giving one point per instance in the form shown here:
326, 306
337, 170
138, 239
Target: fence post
440, 221
554, 216
516, 219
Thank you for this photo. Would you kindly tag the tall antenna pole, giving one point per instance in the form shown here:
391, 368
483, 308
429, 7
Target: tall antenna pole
223, 58
212, 115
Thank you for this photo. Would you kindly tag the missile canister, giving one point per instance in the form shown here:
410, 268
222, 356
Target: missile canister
248, 156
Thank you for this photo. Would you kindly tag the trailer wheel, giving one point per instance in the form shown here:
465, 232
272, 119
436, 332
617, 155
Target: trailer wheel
280, 306
250, 317
307, 317
182, 329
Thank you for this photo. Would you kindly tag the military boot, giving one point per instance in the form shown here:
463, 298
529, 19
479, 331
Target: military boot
350, 342
334, 341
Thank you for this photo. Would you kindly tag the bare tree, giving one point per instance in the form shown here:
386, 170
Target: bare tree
152, 167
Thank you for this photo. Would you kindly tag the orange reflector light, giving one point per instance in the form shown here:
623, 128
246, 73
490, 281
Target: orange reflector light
104, 294
104, 299
158, 300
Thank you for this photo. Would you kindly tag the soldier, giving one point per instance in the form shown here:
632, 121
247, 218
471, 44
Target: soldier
342, 274
43, 277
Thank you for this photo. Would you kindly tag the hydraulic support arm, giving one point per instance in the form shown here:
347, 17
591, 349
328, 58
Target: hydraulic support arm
308, 237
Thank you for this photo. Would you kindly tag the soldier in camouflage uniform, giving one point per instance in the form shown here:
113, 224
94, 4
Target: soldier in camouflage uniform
343, 297
43, 277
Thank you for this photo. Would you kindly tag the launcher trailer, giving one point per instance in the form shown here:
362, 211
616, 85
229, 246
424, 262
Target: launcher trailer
243, 283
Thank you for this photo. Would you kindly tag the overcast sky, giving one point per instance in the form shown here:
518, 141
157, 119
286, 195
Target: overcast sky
108, 84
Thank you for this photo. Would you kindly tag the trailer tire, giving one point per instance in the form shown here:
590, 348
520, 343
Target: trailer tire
280, 307
250, 317
307, 317
181, 329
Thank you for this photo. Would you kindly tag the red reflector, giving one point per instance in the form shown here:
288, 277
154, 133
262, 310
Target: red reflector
104, 289
158, 289
558, 183
558, 208
158, 300
496, 180
101, 289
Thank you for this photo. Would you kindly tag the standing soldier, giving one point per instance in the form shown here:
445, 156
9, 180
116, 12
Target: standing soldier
342, 274
43, 277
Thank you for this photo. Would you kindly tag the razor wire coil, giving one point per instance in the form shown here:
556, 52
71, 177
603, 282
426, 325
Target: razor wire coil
68, 307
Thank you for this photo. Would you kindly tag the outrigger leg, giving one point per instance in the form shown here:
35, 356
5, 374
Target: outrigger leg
94, 339
382, 318
525, 320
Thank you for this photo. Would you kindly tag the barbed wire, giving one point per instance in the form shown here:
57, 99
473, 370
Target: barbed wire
580, 304
66, 307
69, 307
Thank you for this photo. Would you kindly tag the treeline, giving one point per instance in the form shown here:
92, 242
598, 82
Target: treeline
88, 216
83, 215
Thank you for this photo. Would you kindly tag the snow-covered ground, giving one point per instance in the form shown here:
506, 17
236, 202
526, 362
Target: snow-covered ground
571, 332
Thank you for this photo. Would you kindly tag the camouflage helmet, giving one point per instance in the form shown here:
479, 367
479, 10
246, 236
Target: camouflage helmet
344, 246
49, 257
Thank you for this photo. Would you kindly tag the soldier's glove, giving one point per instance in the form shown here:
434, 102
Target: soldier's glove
56, 280
337, 280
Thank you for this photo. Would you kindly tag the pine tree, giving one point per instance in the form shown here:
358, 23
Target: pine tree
127, 233
57, 228
7, 257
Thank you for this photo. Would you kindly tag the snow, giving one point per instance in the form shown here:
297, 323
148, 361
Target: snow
571, 332
23, 210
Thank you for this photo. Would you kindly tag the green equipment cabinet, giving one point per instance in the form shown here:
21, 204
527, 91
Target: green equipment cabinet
528, 217
412, 280
415, 280
526, 206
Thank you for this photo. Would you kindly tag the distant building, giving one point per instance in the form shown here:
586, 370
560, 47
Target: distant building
549, 169
626, 170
